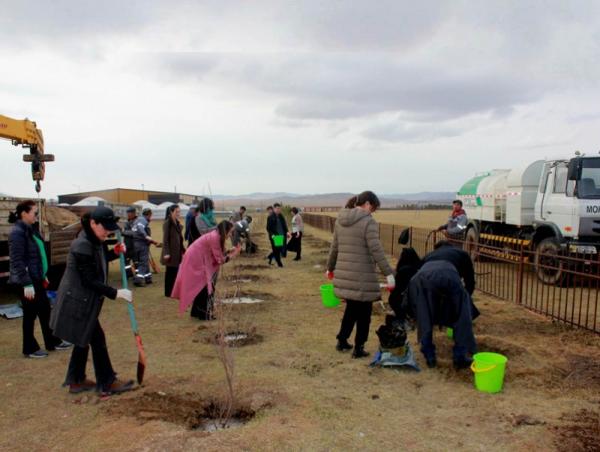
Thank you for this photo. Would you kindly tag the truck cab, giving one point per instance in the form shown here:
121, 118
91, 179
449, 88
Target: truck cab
568, 204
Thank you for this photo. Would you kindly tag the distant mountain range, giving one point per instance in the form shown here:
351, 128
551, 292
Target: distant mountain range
328, 199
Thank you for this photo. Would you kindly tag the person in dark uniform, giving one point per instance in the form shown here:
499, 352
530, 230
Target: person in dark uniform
438, 296
128, 238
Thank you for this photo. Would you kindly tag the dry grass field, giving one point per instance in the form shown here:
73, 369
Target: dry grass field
428, 219
304, 395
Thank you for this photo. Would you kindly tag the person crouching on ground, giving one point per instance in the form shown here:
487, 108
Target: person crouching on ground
28, 268
437, 296
80, 297
355, 252
173, 249
196, 279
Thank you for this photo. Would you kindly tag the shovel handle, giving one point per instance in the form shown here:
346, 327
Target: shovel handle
133, 321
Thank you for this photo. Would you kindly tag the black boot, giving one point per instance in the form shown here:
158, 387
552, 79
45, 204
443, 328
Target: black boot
343, 345
431, 362
359, 352
462, 363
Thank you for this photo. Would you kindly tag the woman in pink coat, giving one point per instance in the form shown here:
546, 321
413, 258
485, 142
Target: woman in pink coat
199, 268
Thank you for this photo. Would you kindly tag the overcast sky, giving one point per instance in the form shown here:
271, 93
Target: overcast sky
296, 96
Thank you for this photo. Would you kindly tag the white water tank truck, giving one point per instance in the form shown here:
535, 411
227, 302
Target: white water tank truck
551, 207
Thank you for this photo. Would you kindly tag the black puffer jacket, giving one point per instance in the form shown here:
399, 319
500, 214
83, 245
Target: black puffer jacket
25, 260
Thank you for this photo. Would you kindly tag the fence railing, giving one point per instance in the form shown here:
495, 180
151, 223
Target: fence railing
511, 270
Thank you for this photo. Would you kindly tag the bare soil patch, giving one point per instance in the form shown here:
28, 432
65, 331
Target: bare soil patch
580, 432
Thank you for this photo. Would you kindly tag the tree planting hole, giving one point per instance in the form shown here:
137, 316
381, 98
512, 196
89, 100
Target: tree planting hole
188, 410
237, 338
242, 279
241, 300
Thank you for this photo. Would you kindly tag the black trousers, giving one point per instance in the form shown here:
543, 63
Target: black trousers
202, 307
298, 244
276, 254
359, 313
39, 308
170, 277
105, 375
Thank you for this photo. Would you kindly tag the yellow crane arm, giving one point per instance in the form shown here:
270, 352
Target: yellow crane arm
22, 132
25, 133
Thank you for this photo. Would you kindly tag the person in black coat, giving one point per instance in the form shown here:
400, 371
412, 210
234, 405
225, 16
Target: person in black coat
276, 225
408, 265
28, 269
79, 301
445, 251
437, 296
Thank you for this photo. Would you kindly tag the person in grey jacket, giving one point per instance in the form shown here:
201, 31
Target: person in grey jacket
355, 252
142, 239
128, 237
456, 226
79, 301
28, 268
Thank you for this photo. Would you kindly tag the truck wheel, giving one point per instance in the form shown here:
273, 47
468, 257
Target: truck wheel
549, 267
472, 243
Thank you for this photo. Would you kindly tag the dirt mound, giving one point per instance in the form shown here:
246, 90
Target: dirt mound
580, 432
58, 217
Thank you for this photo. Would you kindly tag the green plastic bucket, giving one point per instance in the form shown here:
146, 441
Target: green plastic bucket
328, 296
489, 371
449, 333
278, 240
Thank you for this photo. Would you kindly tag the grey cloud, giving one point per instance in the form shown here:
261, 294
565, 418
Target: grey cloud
52, 20
394, 132
353, 85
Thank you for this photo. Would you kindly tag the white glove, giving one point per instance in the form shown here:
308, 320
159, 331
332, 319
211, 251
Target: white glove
29, 292
125, 294
391, 282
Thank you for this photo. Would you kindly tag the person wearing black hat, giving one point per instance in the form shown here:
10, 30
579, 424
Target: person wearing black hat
80, 297
142, 239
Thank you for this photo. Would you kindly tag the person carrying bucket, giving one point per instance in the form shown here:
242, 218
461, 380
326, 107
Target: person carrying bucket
278, 230
354, 254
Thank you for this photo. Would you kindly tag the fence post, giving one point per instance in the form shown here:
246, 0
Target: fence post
520, 275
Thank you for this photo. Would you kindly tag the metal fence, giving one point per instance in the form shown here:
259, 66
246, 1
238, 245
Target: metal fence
510, 270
